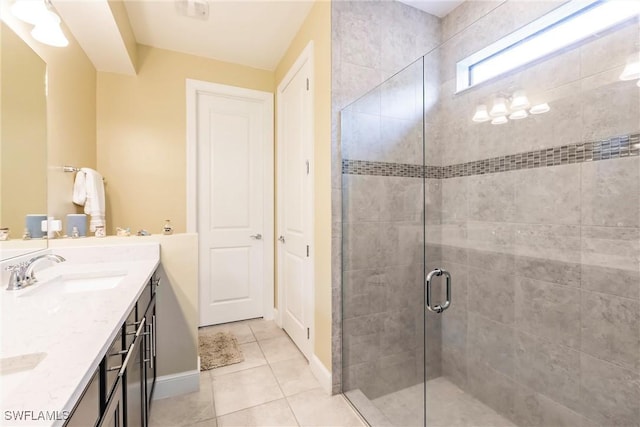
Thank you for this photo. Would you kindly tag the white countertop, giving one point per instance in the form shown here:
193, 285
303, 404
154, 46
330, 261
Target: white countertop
73, 330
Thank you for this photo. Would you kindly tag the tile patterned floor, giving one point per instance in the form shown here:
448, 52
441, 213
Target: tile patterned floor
447, 406
272, 387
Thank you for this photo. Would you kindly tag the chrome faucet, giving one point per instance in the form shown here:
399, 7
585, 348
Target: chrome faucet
22, 273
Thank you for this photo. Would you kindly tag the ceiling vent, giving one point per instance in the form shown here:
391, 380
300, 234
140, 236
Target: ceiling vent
198, 9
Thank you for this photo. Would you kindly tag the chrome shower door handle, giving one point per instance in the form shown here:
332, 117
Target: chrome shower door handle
440, 307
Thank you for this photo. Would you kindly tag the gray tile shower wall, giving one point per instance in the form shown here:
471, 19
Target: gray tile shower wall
537, 220
371, 41
540, 223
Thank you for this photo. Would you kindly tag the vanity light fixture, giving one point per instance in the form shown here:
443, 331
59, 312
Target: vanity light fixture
540, 108
29, 11
481, 114
632, 69
517, 115
49, 32
46, 23
499, 107
519, 101
500, 120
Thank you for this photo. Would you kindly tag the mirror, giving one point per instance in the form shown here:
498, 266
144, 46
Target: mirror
23, 142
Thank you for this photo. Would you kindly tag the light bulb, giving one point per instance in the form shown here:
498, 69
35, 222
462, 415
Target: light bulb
517, 115
30, 11
519, 101
540, 108
499, 108
632, 69
481, 114
49, 32
500, 120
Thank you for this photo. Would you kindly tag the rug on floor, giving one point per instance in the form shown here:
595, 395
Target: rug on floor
217, 350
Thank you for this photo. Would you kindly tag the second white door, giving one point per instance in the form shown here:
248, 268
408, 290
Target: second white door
234, 150
295, 201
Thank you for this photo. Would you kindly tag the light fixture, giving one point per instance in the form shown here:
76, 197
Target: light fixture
632, 69
517, 115
30, 11
46, 23
500, 120
519, 101
481, 114
499, 107
540, 108
49, 32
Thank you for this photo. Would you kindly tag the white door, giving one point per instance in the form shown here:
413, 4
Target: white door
234, 132
295, 201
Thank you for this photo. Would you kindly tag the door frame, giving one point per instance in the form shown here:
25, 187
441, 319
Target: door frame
306, 56
193, 89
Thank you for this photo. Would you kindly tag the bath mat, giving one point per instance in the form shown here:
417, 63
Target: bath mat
217, 350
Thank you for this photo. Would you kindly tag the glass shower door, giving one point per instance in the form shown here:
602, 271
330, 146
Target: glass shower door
383, 252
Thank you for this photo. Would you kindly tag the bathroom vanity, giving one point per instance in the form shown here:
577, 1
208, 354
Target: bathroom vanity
79, 347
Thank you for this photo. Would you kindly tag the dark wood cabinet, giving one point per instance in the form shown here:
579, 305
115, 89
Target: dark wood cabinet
87, 411
121, 389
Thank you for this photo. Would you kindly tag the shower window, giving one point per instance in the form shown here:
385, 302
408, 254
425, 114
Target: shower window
566, 25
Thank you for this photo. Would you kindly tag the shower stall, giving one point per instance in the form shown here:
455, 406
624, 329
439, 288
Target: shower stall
524, 235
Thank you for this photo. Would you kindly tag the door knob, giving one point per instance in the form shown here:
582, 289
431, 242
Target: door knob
281, 238
256, 236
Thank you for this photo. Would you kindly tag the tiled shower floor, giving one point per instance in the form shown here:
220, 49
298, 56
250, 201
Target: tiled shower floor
447, 406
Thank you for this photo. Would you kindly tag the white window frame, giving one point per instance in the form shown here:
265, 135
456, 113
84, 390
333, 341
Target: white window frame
543, 25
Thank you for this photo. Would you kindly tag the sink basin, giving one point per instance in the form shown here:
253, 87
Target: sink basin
78, 282
13, 371
17, 364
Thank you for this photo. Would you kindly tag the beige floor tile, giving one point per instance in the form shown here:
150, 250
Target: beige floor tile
276, 413
294, 376
281, 348
240, 330
317, 408
207, 423
253, 357
244, 389
265, 329
186, 409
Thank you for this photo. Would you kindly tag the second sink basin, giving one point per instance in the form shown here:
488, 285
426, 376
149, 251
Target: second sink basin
72, 282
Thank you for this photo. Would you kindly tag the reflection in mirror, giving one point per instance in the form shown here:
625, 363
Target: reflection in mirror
23, 142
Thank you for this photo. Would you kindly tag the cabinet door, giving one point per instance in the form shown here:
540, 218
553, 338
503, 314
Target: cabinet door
134, 394
150, 352
114, 412
87, 411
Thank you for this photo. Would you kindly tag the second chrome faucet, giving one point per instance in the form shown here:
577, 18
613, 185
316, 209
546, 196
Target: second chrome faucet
22, 274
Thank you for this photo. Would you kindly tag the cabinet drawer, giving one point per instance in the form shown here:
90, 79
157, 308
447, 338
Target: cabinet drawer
113, 361
130, 326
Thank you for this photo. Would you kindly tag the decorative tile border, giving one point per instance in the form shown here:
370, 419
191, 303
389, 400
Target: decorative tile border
612, 148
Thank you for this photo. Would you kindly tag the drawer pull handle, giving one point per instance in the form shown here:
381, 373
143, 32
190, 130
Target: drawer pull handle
115, 368
119, 353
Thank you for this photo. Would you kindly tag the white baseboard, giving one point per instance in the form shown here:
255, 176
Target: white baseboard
176, 384
321, 373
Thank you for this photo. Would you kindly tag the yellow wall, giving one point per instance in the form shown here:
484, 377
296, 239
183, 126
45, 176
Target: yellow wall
141, 134
317, 27
23, 140
71, 113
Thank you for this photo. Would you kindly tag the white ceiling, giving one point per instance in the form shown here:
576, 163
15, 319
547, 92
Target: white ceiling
255, 33
439, 8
